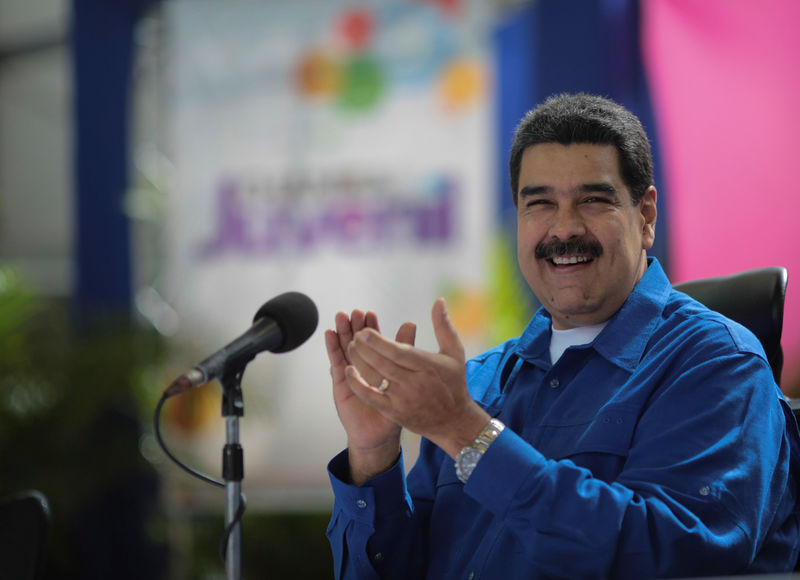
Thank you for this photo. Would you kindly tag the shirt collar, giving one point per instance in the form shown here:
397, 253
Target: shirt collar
616, 343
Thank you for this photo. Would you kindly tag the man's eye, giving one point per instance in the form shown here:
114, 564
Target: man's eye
596, 199
534, 202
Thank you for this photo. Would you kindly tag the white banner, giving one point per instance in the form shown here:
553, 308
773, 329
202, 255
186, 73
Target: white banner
343, 152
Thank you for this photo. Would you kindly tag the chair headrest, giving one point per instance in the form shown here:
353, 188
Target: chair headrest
754, 299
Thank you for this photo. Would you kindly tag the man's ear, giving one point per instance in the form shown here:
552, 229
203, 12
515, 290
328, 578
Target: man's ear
647, 206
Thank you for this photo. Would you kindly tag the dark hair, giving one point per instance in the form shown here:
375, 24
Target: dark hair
583, 118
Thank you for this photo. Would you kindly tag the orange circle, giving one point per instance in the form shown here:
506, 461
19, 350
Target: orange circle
462, 83
318, 74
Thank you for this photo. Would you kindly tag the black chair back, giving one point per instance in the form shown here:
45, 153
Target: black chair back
24, 530
754, 299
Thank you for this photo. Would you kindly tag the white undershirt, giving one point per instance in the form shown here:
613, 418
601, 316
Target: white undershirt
561, 340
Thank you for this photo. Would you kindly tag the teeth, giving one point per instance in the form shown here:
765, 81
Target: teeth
562, 260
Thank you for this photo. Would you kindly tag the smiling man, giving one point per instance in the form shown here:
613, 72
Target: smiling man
582, 240
629, 432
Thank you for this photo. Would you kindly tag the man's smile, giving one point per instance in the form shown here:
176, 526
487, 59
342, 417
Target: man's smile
570, 254
569, 260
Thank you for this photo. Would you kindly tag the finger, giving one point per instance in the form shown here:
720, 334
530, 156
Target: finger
371, 321
407, 333
365, 368
446, 334
357, 320
385, 358
363, 390
335, 354
344, 329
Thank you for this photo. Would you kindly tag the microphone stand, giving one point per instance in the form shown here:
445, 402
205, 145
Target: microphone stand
233, 467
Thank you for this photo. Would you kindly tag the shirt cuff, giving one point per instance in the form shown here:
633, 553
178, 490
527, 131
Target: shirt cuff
510, 459
378, 497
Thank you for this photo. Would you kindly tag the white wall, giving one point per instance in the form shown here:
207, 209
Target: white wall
36, 227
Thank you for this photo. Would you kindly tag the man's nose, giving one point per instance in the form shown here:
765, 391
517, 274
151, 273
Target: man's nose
566, 223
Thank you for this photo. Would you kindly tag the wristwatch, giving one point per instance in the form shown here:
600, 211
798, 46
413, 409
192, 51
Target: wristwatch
468, 457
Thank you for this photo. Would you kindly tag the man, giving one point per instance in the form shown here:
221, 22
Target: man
629, 432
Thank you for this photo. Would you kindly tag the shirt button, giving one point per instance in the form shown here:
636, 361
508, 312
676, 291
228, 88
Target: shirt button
471, 576
554, 383
361, 504
379, 557
705, 490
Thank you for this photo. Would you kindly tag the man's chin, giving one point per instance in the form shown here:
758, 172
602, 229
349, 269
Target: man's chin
575, 313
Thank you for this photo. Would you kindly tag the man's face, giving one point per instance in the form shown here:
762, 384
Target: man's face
580, 240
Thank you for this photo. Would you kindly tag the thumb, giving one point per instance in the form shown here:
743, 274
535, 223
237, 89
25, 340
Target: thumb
446, 335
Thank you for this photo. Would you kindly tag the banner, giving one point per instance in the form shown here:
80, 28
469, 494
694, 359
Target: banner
340, 150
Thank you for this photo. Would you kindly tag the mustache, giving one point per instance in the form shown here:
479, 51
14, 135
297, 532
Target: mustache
545, 250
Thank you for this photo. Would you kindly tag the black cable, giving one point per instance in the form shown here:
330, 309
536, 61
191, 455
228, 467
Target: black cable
178, 462
237, 518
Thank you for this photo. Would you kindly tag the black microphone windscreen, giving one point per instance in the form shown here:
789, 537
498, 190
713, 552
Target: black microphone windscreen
295, 314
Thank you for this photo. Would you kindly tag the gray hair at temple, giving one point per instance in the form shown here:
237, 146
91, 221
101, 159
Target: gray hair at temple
584, 118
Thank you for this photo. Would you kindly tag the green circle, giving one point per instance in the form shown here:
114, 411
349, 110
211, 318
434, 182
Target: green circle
363, 84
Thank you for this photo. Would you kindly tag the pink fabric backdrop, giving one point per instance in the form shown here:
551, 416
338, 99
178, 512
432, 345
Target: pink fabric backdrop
725, 82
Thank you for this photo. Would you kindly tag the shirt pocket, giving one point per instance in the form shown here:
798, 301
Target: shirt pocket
610, 431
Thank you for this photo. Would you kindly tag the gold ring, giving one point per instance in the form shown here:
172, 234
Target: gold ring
383, 386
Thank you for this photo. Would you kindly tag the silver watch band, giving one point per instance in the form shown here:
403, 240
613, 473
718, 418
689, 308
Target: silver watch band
488, 434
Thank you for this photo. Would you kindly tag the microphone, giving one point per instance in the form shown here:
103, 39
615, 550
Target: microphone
280, 325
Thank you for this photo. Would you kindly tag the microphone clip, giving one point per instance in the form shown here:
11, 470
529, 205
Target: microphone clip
232, 397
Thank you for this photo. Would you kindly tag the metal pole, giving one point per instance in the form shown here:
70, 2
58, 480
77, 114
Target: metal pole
233, 468
232, 456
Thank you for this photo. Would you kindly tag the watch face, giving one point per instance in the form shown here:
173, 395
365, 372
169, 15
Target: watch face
467, 460
470, 459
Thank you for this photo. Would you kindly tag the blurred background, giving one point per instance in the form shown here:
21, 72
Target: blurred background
166, 167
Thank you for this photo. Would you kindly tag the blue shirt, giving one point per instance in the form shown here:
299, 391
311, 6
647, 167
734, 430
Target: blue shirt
662, 448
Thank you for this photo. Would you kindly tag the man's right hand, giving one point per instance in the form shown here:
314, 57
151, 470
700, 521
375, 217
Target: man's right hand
373, 441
